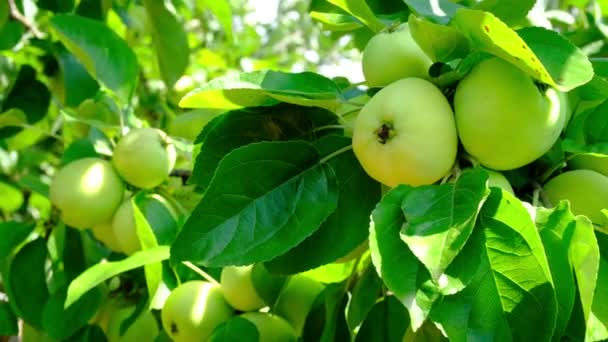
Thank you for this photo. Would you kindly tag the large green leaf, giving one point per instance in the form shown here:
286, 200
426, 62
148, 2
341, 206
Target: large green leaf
27, 290
440, 11
544, 54
571, 246
29, 95
440, 219
326, 321
235, 329
103, 53
264, 199
597, 325
511, 296
8, 320
61, 323
170, 41
77, 82
357, 196
511, 12
263, 88
364, 296
360, 10
241, 127
101, 272
387, 321
441, 43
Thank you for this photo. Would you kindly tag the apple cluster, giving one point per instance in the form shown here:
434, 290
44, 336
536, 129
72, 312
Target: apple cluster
276, 306
90, 193
409, 132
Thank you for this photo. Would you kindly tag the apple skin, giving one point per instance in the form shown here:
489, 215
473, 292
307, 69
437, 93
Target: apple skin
145, 328
296, 299
406, 134
271, 328
392, 55
586, 190
588, 161
193, 310
238, 288
104, 233
144, 157
503, 119
497, 179
87, 192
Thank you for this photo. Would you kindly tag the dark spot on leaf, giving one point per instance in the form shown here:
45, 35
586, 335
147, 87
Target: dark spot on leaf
517, 58
533, 59
485, 27
524, 46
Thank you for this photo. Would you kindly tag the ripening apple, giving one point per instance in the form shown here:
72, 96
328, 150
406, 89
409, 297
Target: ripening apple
104, 233
87, 192
406, 134
296, 299
590, 161
159, 214
497, 179
586, 190
271, 328
193, 310
144, 157
145, 327
392, 55
237, 285
503, 119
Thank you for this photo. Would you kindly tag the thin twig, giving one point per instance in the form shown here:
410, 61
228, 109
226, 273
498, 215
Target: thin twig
200, 272
15, 14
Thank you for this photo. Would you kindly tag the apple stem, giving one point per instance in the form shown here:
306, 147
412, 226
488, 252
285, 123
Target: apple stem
200, 272
336, 153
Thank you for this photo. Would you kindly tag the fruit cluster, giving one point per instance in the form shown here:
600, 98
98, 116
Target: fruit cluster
409, 132
91, 193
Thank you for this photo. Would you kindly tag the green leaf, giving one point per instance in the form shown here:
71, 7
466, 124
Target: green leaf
235, 329
511, 296
336, 21
567, 65
332, 273
364, 296
571, 246
440, 219
222, 11
170, 41
103, 53
29, 95
56, 5
8, 320
511, 12
263, 88
241, 127
357, 196
11, 198
397, 266
60, 323
101, 272
78, 149
89, 333
266, 284
27, 290
4, 13
597, 325
264, 199
558, 63
77, 82
441, 43
438, 11
360, 10
588, 132
10, 34
326, 321
387, 321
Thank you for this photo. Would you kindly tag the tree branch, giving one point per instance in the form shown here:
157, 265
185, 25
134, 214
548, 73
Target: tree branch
15, 14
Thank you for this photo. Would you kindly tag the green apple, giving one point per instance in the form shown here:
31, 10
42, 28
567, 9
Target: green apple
193, 310
586, 190
159, 214
392, 55
406, 134
87, 192
144, 157
145, 327
497, 179
238, 288
104, 233
503, 119
271, 328
296, 300
590, 161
